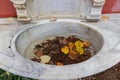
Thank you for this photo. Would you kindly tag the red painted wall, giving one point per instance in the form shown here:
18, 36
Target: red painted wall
111, 6
7, 9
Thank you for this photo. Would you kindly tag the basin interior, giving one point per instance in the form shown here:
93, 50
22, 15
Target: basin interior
26, 41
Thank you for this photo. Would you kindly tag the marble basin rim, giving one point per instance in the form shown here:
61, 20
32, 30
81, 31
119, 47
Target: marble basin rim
43, 71
26, 41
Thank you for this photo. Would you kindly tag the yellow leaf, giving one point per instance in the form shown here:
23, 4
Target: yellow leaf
78, 44
65, 49
81, 51
79, 47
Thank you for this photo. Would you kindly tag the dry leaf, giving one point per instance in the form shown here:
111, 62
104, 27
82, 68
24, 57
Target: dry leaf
86, 44
78, 44
79, 47
73, 55
62, 41
45, 59
65, 49
70, 45
39, 53
59, 64
80, 50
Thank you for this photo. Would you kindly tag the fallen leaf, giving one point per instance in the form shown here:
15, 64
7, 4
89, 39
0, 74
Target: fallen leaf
39, 53
80, 50
86, 44
70, 45
45, 59
78, 44
79, 47
65, 49
59, 64
73, 55
62, 41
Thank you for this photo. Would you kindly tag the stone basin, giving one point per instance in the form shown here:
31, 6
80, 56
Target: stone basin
15, 38
24, 41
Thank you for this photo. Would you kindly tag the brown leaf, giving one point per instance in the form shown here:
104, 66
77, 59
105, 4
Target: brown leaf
86, 44
73, 55
59, 64
39, 53
62, 41
71, 45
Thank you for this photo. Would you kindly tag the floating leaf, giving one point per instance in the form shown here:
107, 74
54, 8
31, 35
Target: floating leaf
65, 49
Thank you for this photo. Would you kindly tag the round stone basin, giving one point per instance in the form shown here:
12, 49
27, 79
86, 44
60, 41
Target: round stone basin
22, 44
26, 40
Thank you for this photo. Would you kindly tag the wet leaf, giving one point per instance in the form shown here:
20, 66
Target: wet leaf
65, 49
